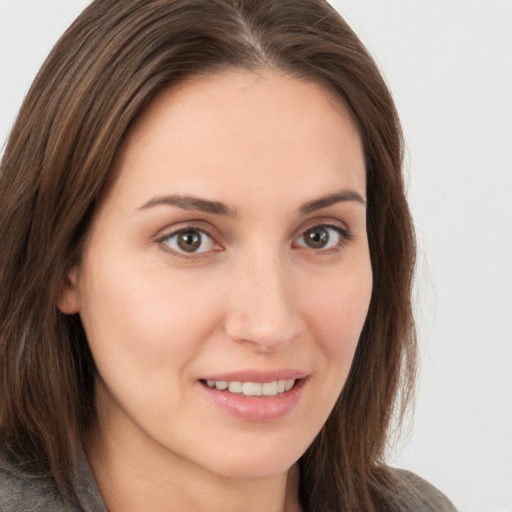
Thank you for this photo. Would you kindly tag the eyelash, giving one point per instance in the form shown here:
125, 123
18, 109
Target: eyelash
345, 237
182, 254
344, 234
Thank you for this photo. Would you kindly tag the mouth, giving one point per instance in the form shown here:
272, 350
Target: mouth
262, 389
258, 398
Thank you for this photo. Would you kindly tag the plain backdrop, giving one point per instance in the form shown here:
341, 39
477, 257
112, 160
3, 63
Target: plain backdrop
449, 66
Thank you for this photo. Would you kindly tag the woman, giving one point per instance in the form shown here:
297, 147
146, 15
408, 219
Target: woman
206, 267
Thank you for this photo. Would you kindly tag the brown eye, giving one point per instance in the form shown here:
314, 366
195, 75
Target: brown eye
191, 241
322, 237
316, 238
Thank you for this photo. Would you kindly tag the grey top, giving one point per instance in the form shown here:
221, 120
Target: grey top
24, 492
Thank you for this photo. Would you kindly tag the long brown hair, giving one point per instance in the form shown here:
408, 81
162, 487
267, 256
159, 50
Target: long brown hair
102, 73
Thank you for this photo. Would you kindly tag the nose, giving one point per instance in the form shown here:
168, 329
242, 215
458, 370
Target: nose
263, 304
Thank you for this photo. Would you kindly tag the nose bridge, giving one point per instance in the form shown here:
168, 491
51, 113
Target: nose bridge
262, 307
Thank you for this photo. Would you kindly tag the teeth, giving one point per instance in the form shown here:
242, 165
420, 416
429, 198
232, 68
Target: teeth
221, 385
235, 387
253, 388
269, 388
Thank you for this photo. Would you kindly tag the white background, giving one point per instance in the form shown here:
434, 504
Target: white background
449, 66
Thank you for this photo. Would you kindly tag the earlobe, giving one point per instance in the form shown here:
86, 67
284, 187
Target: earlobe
69, 302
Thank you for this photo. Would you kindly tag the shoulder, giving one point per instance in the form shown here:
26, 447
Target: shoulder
21, 491
416, 494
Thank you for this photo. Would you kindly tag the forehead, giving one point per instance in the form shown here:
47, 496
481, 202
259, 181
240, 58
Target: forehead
260, 126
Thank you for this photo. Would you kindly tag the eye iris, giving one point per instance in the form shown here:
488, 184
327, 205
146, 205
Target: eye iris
189, 241
316, 238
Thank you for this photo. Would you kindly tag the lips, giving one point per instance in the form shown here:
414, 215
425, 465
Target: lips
255, 396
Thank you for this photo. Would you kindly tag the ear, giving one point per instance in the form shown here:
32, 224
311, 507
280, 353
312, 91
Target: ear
69, 300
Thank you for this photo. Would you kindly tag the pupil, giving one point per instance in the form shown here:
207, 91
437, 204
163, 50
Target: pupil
317, 238
189, 241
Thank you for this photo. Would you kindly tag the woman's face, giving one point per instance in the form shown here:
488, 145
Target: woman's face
230, 251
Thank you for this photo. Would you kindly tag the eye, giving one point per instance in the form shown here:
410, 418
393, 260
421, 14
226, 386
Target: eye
323, 237
189, 241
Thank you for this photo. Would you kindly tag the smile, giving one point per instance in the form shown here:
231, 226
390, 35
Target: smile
256, 396
253, 388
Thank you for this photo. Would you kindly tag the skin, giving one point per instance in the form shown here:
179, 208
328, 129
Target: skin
254, 295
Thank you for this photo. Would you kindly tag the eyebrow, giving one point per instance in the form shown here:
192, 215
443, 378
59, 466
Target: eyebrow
192, 203
187, 202
338, 197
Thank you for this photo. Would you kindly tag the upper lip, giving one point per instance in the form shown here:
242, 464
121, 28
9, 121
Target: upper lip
257, 375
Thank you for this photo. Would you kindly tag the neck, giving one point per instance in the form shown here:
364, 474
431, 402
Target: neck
131, 478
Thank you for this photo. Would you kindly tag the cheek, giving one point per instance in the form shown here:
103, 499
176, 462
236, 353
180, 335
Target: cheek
142, 320
341, 306
337, 312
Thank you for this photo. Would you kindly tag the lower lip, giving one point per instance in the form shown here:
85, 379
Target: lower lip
256, 409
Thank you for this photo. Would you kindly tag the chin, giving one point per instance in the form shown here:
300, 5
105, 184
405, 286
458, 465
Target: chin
256, 471
261, 461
